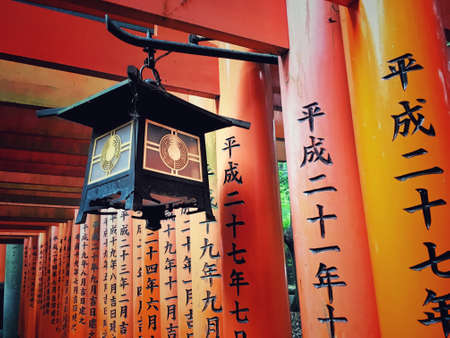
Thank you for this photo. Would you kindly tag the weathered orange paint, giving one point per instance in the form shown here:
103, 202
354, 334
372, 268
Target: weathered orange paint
245, 89
375, 33
309, 74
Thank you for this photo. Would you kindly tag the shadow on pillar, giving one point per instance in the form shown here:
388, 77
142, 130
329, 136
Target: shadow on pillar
13, 280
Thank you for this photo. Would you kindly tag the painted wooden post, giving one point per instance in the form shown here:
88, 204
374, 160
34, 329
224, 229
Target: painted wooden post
74, 281
13, 276
184, 274
93, 275
53, 279
138, 227
103, 296
65, 313
40, 294
112, 276
168, 279
125, 311
151, 285
255, 300
333, 264
206, 246
395, 52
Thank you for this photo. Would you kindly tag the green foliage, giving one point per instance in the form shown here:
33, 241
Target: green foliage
284, 191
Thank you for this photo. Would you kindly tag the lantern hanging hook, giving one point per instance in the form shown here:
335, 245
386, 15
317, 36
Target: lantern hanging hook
150, 62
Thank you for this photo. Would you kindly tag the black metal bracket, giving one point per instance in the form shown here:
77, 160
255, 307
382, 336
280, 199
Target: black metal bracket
195, 39
189, 48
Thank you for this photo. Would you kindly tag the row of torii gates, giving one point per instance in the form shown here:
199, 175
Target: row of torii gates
358, 106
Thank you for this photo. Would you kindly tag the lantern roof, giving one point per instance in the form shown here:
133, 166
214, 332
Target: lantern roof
111, 107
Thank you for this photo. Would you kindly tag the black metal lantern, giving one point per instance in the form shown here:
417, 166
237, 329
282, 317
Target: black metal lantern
147, 151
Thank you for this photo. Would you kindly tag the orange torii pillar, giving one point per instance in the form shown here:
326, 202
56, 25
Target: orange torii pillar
333, 264
255, 299
395, 52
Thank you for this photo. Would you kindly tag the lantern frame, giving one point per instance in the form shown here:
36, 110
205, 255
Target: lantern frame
137, 102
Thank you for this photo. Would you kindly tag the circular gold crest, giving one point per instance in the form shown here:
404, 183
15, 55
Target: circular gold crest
173, 152
110, 153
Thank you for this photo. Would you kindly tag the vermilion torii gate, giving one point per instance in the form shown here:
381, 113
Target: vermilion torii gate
363, 88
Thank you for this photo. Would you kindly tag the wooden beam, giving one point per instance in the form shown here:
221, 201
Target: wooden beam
41, 189
17, 233
34, 193
35, 214
12, 239
255, 24
41, 180
42, 163
38, 224
42, 157
39, 36
21, 119
346, 3
44, 87
41, 200
5, 227
13, 140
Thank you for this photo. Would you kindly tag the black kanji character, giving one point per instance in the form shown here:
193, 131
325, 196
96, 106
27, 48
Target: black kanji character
434, 261
312, 111
328, 279
404, 120
425, 206
332, 319
315, 152
230, 144
442, 308
401, 68
210, 300
232, 174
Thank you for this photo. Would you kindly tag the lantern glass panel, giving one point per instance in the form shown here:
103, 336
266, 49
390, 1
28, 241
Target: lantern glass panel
171, 151
112, 153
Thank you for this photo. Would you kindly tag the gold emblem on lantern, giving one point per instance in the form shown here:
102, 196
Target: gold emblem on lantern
110, 153
173, 152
